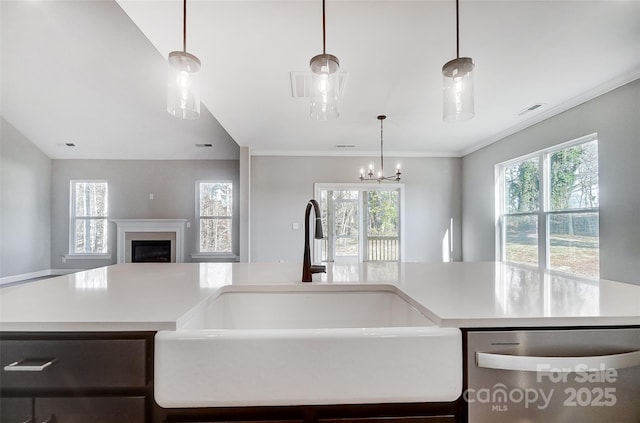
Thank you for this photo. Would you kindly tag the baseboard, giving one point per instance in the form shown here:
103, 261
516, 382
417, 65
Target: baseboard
34, 275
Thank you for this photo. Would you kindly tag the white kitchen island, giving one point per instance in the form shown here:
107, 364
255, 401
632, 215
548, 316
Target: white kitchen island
120, 308
157, 296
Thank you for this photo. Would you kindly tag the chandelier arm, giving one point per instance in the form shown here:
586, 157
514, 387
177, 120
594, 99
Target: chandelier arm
381, 176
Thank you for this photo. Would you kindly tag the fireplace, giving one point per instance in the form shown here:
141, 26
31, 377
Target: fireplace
151, 251
167, 230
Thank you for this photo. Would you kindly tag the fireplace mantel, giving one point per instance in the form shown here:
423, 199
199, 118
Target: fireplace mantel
149, 225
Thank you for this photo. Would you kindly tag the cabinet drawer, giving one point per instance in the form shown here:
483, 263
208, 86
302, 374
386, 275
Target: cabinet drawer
90, 410
74, 363
15, 410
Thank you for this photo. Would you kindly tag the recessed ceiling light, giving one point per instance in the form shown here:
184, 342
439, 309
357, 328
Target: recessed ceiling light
69, 144
204, 145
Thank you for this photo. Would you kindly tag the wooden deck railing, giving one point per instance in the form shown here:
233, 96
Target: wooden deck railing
382, 248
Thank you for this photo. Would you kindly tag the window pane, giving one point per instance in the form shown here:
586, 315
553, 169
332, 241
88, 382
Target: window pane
522, 186
383, 213
521, 239
346, 218
90, 236
345, 195
574, 177
215, 236
574, 245
216, 199
90, 199
323, 202
346, 247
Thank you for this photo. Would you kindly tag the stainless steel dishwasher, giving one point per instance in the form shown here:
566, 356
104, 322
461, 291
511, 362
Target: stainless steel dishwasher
553, 376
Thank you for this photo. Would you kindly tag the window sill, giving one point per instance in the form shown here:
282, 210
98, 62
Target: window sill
87, 256
215, 256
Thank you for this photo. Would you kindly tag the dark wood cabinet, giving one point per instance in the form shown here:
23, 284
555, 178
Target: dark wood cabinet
72, 410
413, 419
90, 410
16, 410
108, 378
76, 377
344, 413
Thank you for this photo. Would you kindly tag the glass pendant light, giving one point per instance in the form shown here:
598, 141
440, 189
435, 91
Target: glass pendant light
324, 79
183, 97
457, 85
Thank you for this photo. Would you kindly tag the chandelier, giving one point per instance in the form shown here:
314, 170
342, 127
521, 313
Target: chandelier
371, 176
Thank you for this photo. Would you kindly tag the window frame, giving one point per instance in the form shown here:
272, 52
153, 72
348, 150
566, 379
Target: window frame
543, 211
198, 218
73, 218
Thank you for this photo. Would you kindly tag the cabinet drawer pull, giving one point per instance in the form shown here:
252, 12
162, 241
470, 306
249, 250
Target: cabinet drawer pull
29, 365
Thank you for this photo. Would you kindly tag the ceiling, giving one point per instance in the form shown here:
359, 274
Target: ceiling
93, 73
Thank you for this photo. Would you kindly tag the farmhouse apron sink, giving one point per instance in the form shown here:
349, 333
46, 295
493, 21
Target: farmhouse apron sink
307, 344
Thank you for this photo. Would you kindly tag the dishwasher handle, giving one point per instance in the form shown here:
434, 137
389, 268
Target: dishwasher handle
557, 364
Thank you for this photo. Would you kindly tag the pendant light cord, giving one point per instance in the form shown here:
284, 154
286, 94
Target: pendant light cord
457, 32
381, 149
324, 36
184, 26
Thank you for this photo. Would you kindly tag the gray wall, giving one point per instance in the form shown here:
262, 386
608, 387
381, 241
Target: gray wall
281, 187
615, 116
172, 182
25, 198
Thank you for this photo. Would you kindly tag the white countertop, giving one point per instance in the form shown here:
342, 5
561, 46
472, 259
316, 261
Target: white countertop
155, 296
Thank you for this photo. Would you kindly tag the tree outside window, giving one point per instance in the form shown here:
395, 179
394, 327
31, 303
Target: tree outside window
215, 208
89, 212
360, 222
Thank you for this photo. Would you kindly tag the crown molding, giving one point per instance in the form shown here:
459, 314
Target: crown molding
601, 89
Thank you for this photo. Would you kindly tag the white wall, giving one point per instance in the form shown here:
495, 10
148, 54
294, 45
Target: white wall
172, 183
615, 116
25, 198
281, 187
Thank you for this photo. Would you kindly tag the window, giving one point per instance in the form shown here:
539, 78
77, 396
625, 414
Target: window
360, 222
88, 217
548, 209
215, 214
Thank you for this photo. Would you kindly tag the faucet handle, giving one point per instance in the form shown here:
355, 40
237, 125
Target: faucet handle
318, 268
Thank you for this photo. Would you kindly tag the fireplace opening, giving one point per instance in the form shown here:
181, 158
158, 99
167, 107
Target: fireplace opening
151, 251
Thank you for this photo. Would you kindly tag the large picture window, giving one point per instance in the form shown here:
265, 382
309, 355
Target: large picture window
88, 217
215, 215
548, 209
